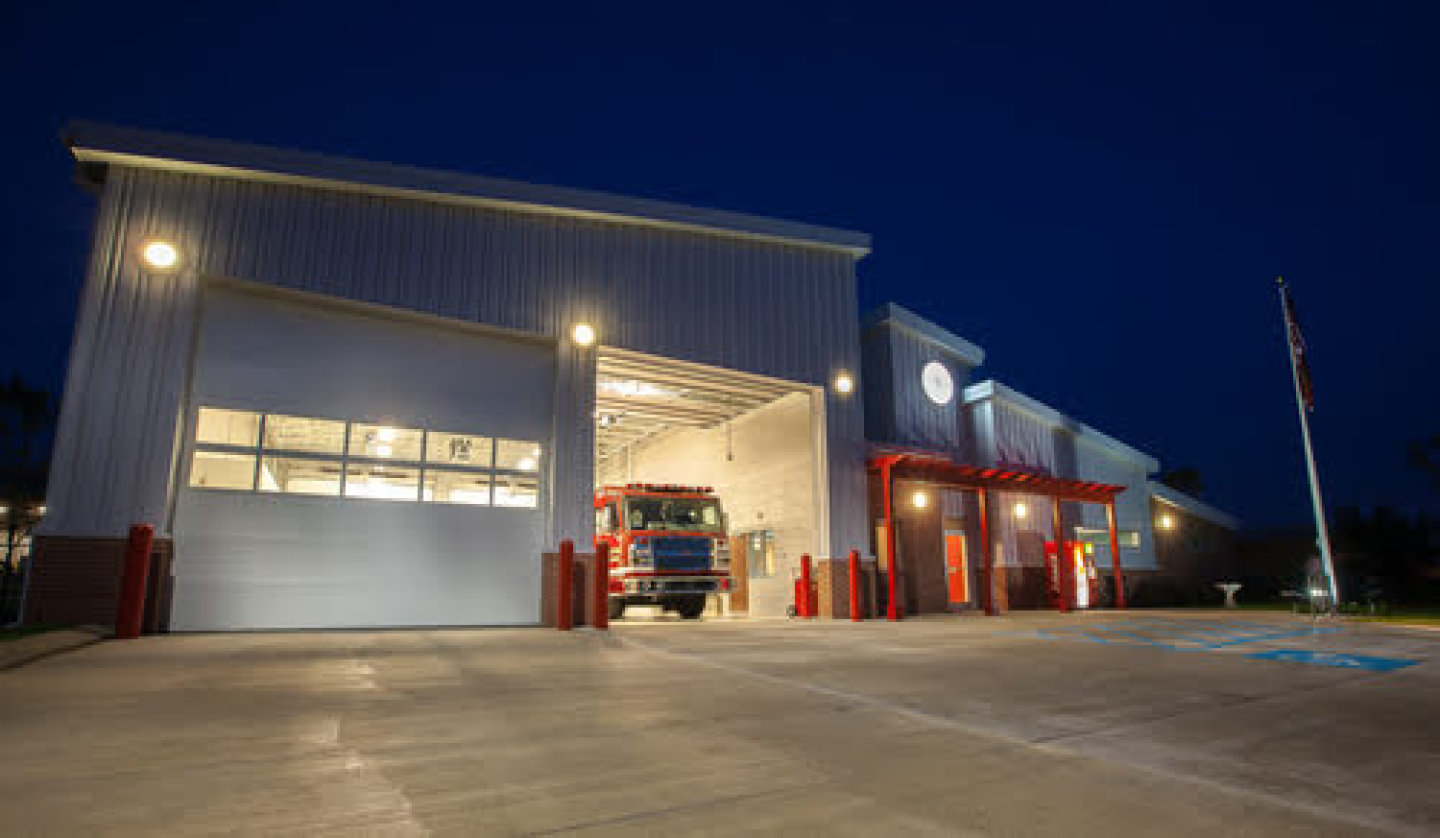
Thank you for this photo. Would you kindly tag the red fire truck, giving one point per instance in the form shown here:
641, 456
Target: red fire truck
668, 545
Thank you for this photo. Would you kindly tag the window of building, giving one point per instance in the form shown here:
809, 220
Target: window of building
250, 451
300, 476
1129, 539
454, 486
385, 442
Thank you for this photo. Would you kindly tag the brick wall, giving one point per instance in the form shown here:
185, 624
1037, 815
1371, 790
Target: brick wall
76, 581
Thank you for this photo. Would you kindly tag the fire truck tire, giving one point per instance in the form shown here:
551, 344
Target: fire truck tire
617, 608
690, 606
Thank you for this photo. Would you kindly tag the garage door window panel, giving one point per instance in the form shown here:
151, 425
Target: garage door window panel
386, 442
300, 476
217, 426
517, 455
517, 490
223, 470
443, 448
304, 435
382, 482
457, 486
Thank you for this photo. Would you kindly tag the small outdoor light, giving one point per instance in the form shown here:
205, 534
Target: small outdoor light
583, 334
844, 384
921, 500
1166, 522
160, 255
1021, 511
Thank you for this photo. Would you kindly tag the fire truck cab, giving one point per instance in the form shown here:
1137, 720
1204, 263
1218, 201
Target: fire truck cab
668, 545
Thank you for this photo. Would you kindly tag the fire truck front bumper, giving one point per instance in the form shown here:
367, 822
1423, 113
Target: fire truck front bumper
661, 585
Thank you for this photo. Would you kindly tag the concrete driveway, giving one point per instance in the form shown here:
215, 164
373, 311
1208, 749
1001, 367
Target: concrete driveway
1144, 723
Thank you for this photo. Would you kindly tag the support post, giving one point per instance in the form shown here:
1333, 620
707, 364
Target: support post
564, 587
892, 607
1115, 568
807, 599
1065, 585
987, 558
855, 586
131, 613
602, 586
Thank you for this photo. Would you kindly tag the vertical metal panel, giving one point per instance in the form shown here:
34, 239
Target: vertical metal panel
898, 409
783, 310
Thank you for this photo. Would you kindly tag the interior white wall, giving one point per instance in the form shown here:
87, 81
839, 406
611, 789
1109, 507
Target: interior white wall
767, 483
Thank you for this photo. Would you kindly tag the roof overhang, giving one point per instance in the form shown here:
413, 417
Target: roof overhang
907, 321
936, 467
100, 145
1161, 493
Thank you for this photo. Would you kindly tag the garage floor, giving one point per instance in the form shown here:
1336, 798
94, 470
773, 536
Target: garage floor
1143, 723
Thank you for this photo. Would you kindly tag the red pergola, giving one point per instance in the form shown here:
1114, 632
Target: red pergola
933, 467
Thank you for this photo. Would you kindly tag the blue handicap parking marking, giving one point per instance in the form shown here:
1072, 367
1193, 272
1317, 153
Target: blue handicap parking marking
1366, 662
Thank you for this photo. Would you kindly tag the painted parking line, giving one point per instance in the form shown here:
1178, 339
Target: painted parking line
1179, 635
1366, 662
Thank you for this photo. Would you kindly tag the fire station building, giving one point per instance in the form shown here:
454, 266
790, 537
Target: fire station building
349, 394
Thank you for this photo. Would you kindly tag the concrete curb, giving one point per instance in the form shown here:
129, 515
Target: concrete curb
17, 653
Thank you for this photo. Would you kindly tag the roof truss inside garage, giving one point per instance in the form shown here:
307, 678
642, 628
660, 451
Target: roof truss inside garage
639, 396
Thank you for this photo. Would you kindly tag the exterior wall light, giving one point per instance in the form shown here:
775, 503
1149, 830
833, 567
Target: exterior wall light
160, 255
1166, 522
1021, 511
583, 334
844, 384
921, 500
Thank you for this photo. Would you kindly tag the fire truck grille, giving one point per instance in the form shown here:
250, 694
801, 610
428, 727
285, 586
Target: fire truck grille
682, 553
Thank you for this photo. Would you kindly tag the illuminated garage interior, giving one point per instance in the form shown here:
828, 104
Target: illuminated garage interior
754, 439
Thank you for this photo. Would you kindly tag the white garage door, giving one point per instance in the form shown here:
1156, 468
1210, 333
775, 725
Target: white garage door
350, 470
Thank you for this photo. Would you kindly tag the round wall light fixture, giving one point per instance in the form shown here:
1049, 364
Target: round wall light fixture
1021, 510
844, 384
939, 386
1166, 522
160, 255
920, 499
583, 334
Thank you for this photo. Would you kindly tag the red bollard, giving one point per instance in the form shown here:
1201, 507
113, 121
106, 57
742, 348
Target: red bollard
602, 586
855, 586
809, 598
131, 613
564, 587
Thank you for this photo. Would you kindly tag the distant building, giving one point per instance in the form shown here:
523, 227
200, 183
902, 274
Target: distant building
354, 394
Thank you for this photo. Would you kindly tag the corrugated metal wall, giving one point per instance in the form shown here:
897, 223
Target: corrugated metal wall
1007, 436
787, 311
897, 409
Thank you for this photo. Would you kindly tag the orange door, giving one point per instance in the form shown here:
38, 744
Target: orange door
957, 573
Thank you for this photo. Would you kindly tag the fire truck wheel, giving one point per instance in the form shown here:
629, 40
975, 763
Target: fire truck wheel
617, 608
690, 606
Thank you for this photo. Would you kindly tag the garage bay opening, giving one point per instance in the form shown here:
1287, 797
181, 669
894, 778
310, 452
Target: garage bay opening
707, 485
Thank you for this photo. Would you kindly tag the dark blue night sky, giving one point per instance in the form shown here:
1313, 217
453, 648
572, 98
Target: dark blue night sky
1100, 195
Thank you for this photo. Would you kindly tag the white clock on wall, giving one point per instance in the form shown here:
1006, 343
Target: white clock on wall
938, 384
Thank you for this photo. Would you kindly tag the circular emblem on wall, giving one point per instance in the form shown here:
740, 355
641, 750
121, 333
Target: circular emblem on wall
938, 384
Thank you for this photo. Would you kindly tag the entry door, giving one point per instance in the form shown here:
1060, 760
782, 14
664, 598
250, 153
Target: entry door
957, 568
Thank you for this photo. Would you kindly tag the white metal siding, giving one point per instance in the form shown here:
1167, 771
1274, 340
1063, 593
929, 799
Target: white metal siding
787, 311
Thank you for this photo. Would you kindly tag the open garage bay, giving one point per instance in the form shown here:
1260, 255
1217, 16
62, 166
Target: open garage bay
1038, 724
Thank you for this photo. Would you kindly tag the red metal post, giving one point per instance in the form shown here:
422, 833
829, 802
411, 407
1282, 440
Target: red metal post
855, 586
892, 607
564, 587
987, 559
1067, 588
602, 586
807, 609
131, 613
1115, 555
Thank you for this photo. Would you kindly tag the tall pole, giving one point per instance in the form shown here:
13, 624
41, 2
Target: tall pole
1324, 536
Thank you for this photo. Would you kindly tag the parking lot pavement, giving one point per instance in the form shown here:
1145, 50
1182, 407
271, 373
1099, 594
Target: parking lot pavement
1025, 725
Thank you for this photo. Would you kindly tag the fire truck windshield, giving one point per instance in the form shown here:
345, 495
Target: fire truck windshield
688, 514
